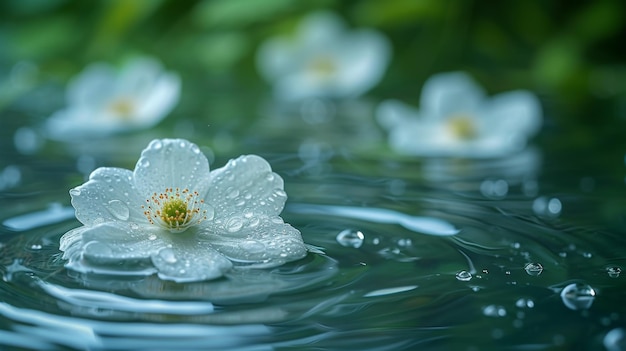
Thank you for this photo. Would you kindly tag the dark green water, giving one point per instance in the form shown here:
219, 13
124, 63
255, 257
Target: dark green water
534, 265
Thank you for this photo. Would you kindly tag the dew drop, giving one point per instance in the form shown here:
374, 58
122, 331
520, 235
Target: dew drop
533, 269
464, 276
134, 226
118, 209
98, 249
525, 303
234, 224
35, 247
195, 149
280, 193
252, 246
168, 256
152, 237
232, 193
75, 192
613, 271
254, 222
143, 162
270, 176
350, 238
156, 144
578, 296
182, 144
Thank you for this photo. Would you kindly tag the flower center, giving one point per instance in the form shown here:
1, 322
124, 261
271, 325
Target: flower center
174, 209
462, 127
323, 66
123, 108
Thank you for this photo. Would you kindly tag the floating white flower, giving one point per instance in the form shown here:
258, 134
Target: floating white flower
173, 216
456, 119
324, 60
102, 100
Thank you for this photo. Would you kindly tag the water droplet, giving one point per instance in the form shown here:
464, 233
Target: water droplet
494, 311
75, 192
615, 340
156, 144
168, 256
533, 268
152, 237
182, 144
350, 238
547, 207
195, 149
613, 271
97, 249
118, 209
143, 162
496, 189
254, 222
280, 193
270, 176
232, 193
35, 247
134, 226
578, 296
464, 276
234, 224
252, 246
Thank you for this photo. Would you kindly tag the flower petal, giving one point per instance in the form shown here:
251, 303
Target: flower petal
262, 242
113, 243
190, 260
109, 195
246, 186
448, 94
514, 112
171, 163
92, 87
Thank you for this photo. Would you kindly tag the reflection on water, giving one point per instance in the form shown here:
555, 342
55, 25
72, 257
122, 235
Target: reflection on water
429, 258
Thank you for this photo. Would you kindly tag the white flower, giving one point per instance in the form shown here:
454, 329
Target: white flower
324, 60
102, 100
172, 216
456, 119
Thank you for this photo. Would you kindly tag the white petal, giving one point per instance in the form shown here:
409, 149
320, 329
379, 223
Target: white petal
190, 260
160, 101
92, 87
393, 114
171, 163
320, 27
515, 112
447, 94
246, 186
109, 195
266, 242
114, 243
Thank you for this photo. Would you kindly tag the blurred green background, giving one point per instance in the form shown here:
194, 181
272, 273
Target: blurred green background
570, 53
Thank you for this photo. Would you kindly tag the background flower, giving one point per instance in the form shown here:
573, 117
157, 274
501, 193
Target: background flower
324, 59
102, 100
228, 217
457, 119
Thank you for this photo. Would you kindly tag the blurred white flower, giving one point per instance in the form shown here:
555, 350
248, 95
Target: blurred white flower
456, 119
324, 59
174, 217
102, 100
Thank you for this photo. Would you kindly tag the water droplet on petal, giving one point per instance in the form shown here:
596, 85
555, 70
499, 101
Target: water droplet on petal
75, 192
578, 296
533, 269
232, 193
270, 177
143, 162
234, 224
350, 238
156, 144
118, 209
464, 276
152, 237
254, 222
195, 149
36, 247
280, 192
252, 246
168, 256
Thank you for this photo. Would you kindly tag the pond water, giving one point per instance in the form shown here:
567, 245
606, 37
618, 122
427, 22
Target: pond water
523, 253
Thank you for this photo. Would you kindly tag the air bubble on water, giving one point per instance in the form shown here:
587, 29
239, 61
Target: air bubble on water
613, 271
168, 256
494, 311
525, 303
547, 207
350, 238
464, 276
118, 209
496, 189
615, 340
578, 296
533, 268
35, 247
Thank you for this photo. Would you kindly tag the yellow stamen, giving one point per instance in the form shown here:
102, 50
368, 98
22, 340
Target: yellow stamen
174, 209
462, 127
323, 66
